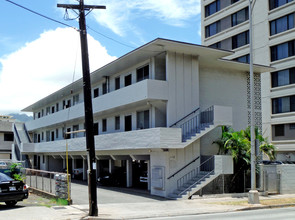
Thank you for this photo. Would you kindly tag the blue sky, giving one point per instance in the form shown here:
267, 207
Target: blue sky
38, 56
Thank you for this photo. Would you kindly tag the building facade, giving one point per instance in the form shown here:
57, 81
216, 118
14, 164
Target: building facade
225, 25
6, 136
156, 112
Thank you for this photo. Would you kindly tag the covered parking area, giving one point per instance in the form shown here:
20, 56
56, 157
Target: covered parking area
119, 169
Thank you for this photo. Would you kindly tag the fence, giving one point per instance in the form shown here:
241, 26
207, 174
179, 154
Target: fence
53, 183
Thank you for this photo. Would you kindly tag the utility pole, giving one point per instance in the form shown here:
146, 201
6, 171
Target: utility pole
90, 145
253, 197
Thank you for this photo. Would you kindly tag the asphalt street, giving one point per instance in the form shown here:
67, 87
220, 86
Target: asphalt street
269, 214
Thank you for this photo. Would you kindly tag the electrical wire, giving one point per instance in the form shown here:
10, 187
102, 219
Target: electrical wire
110, 38
66, 17
44, 16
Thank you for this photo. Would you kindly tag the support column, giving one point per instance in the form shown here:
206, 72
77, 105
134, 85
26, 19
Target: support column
111, 165
85, 169
129, 173
73, 166
46, 162
64, 165
97, 169
149, 175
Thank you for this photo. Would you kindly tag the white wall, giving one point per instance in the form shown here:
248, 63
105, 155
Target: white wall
183, 85
225, 88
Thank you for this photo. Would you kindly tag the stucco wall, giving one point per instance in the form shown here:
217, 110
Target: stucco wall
225, 88
183, 85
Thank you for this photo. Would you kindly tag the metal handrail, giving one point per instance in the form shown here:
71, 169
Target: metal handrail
197, 168
183, 167
195, 183
27, 133
197, 123
184, 117
17, 135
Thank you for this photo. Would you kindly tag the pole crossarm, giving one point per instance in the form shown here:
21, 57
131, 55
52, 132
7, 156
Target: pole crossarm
86, 7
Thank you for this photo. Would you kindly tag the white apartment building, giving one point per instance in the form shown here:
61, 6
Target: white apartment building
225, 25
6, 136
156, 110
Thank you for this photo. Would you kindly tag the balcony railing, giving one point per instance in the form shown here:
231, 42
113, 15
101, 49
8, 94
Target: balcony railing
197, 123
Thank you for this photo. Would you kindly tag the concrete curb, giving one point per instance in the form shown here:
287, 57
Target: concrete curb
267, 207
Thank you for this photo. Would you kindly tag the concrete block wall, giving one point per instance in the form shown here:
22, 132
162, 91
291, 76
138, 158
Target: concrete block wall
287, 178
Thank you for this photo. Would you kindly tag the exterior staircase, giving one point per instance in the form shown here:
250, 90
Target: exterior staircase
198, 173
21, 136
193, 185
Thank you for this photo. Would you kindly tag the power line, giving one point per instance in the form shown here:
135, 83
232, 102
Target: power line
44, 16
110, 38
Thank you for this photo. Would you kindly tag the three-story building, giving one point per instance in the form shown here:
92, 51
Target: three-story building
156, 112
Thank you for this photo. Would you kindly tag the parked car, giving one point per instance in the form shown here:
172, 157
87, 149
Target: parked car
144, 177
12, 191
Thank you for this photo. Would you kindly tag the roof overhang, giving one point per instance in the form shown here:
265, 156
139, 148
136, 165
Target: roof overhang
158, 46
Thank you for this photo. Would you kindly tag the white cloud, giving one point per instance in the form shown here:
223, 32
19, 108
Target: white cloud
120, 15
44, 66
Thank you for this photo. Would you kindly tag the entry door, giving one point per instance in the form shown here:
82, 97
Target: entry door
128, 123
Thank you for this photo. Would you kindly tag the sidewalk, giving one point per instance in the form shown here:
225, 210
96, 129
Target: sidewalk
145, 210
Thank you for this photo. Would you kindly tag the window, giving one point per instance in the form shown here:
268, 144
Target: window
104, 88
292, 126
212, 8
39, 114
216, 45
95, 92
243, 59
143, 119
279, 130
117, 83
104, 125
283, 77
282, 24
234, 1
212, 29
47, 110
117, 123
52, 136
95, 128
8, 137
239, 17
277, 3
57, 107
283, 104
47, 135
56, 133
75, 128
75, 99
66, 104
68, 136
52, 109
240, 40
42, 136
283, 50
128, 80
128, 122
142, 73
42, 112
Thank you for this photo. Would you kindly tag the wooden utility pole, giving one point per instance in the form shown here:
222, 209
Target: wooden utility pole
90, 145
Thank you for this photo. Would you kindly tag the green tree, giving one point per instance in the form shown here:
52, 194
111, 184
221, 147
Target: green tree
238, 144
15, 171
